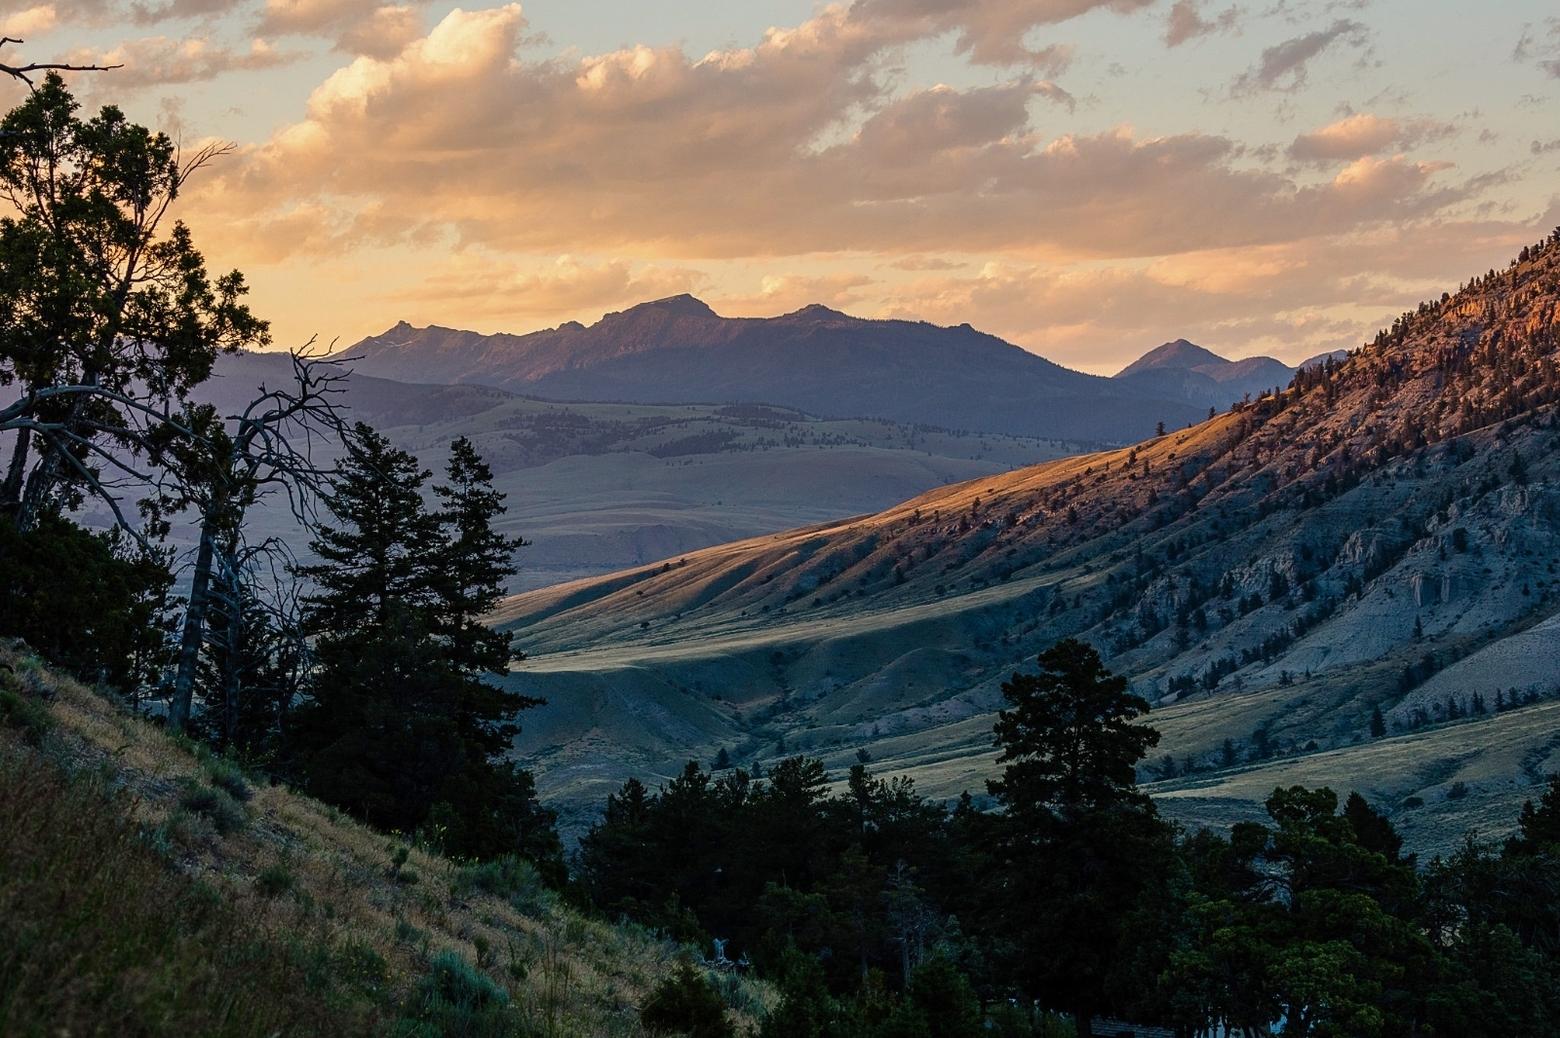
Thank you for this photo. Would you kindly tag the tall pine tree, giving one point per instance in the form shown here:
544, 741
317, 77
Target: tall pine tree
403, 728
1085, 849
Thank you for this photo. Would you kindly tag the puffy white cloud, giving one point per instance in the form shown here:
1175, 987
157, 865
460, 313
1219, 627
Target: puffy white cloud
785, 148
1362, 134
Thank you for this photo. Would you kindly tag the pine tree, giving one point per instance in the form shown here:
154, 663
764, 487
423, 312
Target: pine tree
1079, 832
403, 729
1378, 723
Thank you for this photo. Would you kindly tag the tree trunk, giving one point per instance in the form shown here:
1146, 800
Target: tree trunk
194, 626
11, 490
232, 671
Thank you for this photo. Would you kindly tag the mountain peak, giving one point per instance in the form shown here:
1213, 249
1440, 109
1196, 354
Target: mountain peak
1178, 353
683, 305
818, 312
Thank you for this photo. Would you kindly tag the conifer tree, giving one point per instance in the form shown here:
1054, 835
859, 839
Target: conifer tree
1084, 843
402, 728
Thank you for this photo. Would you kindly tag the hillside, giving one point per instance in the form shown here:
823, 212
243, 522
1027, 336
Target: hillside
1268, 577
818, 360
597, 487
149, 888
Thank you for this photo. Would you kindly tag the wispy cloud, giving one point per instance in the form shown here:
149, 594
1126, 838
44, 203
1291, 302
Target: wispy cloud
1285, 66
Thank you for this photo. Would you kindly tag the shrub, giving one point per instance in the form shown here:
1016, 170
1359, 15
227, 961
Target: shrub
455, 1001
686, 1003
226, 814
25, 716
229, 777
102, 936
514, 879
274, 881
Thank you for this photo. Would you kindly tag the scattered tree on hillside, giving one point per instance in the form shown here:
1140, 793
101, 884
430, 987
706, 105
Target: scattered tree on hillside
403, 727
1080, 834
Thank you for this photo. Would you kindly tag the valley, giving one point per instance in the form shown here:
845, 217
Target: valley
1381, 536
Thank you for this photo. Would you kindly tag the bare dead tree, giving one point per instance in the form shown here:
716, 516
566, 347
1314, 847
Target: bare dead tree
267, 449
26, 72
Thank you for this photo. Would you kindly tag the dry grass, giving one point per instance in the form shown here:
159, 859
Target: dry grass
300, 873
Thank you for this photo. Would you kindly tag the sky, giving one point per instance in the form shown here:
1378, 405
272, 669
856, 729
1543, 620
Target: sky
1085, 178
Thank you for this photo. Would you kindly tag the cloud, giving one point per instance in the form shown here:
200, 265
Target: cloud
29, 21
1185, 22
479, 286
1284, 66
788, 147
1540, 46
990, 32
1362, 134
161, 61
1291, 299
783, 293
382, 34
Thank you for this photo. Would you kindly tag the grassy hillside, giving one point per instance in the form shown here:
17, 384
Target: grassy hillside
1384, 535
148, 888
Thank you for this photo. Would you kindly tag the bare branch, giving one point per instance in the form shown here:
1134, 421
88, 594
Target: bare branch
26, 72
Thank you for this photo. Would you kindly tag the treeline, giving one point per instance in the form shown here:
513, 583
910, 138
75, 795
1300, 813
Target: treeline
365, 676
882, 914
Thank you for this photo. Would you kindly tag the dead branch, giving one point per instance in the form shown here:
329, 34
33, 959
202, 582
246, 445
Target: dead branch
26, 72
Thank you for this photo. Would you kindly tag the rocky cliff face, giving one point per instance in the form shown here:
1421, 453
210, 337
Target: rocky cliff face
1299, 561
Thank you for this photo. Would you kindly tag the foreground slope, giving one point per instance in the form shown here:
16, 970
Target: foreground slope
140, 895
1334, 548
819, 360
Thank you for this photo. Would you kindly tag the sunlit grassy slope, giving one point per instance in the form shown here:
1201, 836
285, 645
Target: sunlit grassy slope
146, 888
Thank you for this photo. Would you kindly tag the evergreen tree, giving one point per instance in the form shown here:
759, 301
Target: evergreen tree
402, 729
1086, 845
1378, 723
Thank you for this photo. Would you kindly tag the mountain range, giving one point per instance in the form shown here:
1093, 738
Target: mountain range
1352, 580
595, 487
826, 363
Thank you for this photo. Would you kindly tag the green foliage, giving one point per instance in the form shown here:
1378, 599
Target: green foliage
24, 715
685, 1003
95, 292
84, 601
404, 728
225, 813
454, 1000
274, 881
229, 777
509, 877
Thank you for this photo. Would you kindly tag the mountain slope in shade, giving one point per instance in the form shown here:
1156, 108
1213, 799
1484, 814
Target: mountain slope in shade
824, 362
1268, 578
596, 487
1184, 370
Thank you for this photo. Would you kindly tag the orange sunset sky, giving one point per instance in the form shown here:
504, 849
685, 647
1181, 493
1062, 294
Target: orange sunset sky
1084, 178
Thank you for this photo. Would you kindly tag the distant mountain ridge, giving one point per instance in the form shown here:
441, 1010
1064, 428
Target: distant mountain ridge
678, 350
1185, 370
